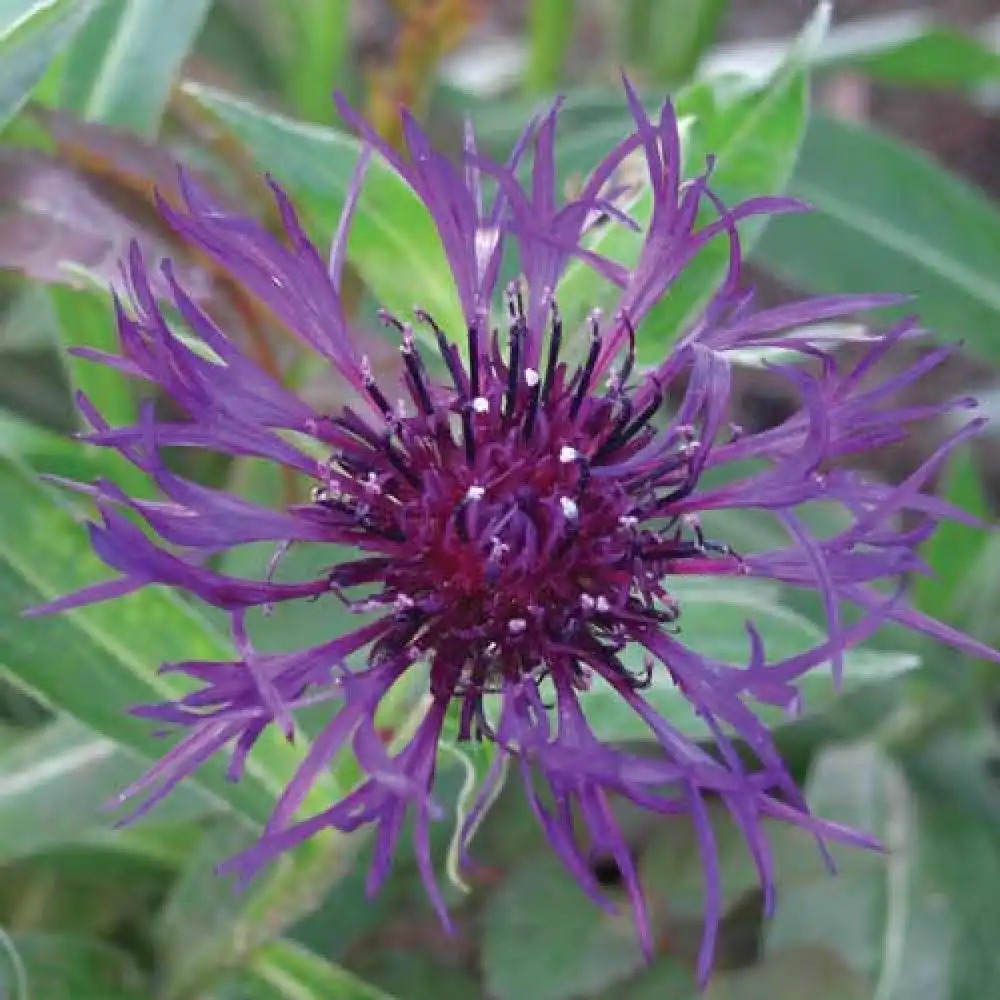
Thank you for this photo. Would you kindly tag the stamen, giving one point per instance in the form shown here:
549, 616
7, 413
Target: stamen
533, 401
568, 455
473, 495
415, 367
398, 462
555, 341
569, 508
644, 417
473, 359
497, 551
587, 372
626, 373
468, 435
481, 405
516, 626
517, 331
448, 352
614, 439
371, 387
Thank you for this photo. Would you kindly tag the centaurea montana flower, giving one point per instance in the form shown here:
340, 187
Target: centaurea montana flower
517, 521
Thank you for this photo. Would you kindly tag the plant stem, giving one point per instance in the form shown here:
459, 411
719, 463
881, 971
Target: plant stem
682, 31
635, 31
549, 32
321, 57
297, 886
298, 882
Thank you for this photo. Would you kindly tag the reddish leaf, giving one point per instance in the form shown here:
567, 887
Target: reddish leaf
53, 219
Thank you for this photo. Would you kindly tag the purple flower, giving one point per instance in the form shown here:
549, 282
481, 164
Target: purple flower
515, 521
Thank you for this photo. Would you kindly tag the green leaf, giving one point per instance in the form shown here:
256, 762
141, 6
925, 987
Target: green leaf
681, 31
86, 319
756, 142
287, 970
713, 617
958, 804
64, 967
200, 904
954, 547
320, 57
911, 49
880, 913
754, 136
781, 977
123, 65
97, 663
550, 32
32, 34
543, 940
393, 242
666, 979
55, 783
888, 219
420, 972
47, 452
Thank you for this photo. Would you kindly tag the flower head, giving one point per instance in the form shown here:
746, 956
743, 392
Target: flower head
515, 520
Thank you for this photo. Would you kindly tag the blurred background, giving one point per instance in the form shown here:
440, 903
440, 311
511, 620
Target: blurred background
887, 120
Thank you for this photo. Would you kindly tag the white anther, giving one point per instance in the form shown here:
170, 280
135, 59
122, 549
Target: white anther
569, 508
372, 485
481, 404
603, 605
319, 494
568, 454
516, 626
587, 602
486, 240
402, 410
531, 377
628, 521
474, 493
403, 602
497, 548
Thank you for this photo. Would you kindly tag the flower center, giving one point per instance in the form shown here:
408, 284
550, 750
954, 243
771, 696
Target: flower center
519, 508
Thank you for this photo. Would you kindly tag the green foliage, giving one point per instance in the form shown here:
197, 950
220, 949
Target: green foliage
542, 942
32, 34
56, 782
549, 35
713, 623
85, 319
139, 913
754, 135
116, 649
124, 63
888, 218
669, 38
316, 165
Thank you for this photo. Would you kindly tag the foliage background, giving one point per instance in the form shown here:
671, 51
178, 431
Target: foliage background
887, 122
